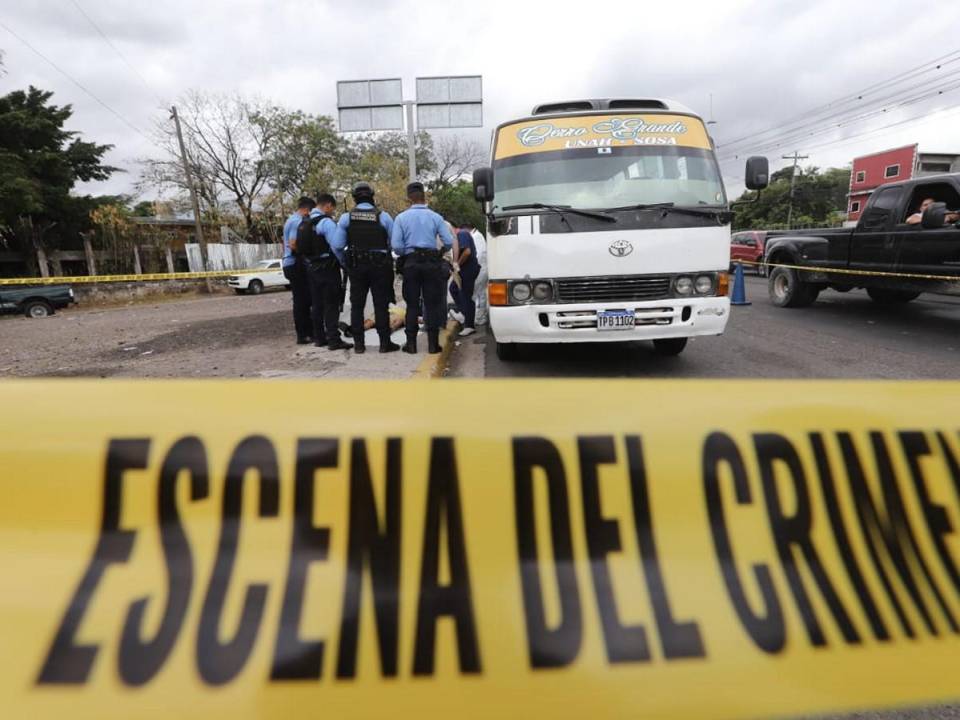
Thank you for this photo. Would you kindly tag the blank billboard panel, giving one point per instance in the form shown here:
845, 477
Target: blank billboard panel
371, 118
466, 115
433, 90
450, 116
386, 92
355, 120
353, 94
387, 118
433, 116
467, 89
364, 93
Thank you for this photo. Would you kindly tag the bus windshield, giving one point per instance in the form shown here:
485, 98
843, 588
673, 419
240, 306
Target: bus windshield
605, 162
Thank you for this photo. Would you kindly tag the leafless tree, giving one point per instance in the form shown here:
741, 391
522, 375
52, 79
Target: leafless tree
454, 157
227, 140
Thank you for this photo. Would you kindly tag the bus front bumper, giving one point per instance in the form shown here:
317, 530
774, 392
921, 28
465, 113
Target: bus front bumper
574, 323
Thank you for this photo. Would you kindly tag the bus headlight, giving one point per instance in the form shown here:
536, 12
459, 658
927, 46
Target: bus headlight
542, 291
520, 292
683, 285
703, 284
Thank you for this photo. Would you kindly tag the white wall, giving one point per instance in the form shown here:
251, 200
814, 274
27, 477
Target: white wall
234, 256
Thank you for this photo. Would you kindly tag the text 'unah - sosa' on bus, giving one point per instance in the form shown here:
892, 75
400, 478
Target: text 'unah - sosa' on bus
608, 222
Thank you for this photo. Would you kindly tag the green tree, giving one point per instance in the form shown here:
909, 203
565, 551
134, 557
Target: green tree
40, 162
455, 202
144, 208
818, 198
307, 155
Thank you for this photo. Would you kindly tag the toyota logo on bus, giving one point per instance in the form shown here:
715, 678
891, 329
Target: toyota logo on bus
620, 248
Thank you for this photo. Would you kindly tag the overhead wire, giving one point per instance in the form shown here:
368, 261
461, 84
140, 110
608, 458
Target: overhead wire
76, 82
797, 138
116, 50
881, 131
812, 116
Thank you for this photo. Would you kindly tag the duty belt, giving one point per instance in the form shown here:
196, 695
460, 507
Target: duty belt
427, 254
367, 257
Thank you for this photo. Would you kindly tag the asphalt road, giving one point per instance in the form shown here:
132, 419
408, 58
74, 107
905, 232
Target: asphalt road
843, 335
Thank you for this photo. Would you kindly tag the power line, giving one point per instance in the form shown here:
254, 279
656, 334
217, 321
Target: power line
123, 57
947, 83
872, 131
858, 137
794, 137
76, 82
793, 125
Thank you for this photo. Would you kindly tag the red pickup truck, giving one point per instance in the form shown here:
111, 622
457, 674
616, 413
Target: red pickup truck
749, 246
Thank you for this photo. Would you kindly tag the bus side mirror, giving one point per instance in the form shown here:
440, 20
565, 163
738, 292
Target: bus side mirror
483, 184
934, 217
757, 175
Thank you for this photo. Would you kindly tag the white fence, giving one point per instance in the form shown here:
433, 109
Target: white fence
234, 256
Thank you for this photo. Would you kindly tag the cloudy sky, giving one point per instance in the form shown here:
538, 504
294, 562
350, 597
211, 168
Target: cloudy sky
765, 63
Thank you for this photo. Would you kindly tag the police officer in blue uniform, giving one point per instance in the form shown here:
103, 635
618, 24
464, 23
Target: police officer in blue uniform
323, 264
363, 236
295, 271
414, 239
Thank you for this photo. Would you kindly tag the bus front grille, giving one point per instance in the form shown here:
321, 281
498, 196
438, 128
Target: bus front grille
612, 288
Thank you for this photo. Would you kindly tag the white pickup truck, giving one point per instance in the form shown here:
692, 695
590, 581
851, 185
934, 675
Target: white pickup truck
269, 275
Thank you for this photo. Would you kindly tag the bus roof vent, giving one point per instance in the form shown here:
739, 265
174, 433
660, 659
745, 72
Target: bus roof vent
562, 107
637, 104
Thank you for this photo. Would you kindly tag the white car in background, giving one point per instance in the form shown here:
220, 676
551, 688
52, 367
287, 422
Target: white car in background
269, 275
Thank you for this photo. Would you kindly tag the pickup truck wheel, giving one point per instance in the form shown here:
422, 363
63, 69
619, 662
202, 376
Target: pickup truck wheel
669, 346
891, 297
255, 287
787, 290
37, 309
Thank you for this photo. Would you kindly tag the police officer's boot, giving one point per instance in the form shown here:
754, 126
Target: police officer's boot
359, 345
433, 341
411, 346
388, 346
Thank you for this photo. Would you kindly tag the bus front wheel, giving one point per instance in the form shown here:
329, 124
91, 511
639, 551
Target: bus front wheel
507, 352
669, 346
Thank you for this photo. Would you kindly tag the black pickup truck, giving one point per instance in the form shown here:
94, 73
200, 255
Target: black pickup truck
36, 301
882, 242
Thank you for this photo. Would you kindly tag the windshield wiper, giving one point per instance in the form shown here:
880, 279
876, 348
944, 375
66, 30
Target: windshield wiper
561, 209
705, 211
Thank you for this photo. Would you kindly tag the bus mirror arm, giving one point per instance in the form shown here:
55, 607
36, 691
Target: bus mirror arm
751, 201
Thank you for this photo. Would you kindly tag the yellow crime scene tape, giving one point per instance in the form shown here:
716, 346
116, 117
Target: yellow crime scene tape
152, 277
848, 271
579, 549
146, 277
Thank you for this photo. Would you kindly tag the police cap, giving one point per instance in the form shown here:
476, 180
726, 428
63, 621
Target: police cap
362, 190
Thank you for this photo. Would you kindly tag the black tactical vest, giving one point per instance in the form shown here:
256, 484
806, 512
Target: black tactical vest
365, 233
309, 244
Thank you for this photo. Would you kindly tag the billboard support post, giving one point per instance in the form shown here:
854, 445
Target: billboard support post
448, 101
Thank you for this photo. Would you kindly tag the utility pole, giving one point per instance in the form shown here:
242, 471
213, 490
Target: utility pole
796, 157
193, 196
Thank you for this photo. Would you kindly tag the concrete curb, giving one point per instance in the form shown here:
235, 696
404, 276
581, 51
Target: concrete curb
433, 366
